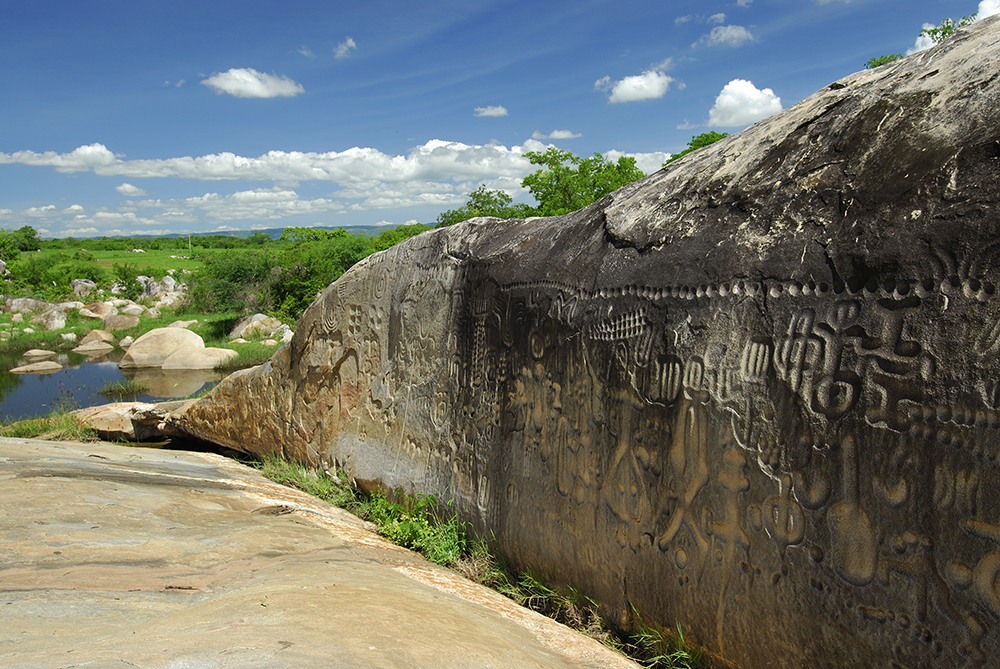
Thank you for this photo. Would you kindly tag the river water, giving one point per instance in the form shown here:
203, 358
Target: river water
76, 385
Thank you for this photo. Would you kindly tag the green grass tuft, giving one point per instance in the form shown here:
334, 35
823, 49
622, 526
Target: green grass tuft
125, 389
249, 354
60, 425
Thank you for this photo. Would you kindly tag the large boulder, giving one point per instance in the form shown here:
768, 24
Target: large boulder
44, 367
26, 304
154, 347
53, 319
114, 322
127, 421
83, 287
756, 393
257, 325
198, 358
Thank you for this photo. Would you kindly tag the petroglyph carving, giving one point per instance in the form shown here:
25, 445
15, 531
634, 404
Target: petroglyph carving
852, 533
689, 474
712, 395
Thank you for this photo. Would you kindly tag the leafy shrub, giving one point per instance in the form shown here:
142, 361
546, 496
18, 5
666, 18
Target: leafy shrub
127, 280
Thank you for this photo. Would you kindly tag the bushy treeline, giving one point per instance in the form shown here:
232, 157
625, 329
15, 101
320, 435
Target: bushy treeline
246, 275
283, 278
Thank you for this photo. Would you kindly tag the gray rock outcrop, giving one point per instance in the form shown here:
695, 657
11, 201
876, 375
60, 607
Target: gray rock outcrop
757, 392
82, 287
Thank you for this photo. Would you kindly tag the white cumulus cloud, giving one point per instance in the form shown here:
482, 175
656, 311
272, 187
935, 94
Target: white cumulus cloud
717, 18
84, 158
923, 41
988, 8
647, 162
344, 48
130, 190
435, 174
306, 51
246, 82
496, 110
556, 134
743, 3
741, 103
726, 36
649, 85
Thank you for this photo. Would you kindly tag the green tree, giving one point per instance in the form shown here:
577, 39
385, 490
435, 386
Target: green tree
698, 142
27, 238
485, 202
309, 234
8, 247
567, 182
947, 28
882, 60
938, 34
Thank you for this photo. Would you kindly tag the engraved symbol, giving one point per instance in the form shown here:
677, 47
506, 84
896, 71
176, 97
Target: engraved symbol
800, 352
664, 379
852, 535
955, 489
982, 580
783, 517
688, 460
756, 361
380, 282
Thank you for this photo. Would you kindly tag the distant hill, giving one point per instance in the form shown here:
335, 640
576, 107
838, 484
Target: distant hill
274, 233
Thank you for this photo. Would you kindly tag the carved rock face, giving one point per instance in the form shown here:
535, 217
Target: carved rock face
757, 392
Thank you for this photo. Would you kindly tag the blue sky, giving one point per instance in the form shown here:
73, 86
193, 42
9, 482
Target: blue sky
150, 118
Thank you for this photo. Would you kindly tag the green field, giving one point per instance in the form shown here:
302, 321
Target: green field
154, 262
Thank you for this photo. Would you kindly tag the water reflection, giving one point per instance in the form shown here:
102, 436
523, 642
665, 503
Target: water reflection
172, 383
77, 384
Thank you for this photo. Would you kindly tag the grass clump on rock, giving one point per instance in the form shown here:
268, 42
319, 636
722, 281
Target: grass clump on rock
125, 389
59, 425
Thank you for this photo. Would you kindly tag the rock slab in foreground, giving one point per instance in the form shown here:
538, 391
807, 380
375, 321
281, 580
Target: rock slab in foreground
117, 556
757, 392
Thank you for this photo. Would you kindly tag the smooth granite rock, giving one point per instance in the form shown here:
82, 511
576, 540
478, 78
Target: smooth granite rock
114, 322
118, 556
94, 348
102, 336
54, 319
154, 347
756, 393
198, 358
44, 367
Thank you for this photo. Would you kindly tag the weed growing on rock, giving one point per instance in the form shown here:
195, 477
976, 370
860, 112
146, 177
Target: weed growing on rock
658, 648
328, 488
417, 524
422, 524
